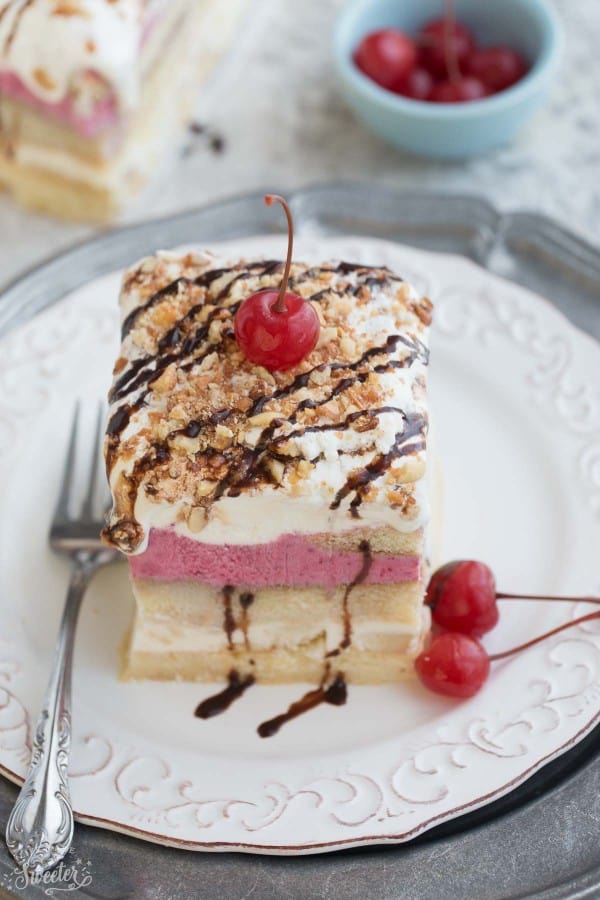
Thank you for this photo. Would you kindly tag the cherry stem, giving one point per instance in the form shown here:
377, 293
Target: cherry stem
450, 45
588, 618
595, 600
280, 305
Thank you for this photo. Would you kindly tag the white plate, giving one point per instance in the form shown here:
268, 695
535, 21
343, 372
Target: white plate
516, 406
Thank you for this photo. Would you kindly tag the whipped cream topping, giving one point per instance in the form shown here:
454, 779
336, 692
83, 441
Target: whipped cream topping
202, 439
49, 45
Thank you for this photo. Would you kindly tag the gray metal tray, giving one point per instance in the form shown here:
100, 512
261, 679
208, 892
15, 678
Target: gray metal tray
543, 840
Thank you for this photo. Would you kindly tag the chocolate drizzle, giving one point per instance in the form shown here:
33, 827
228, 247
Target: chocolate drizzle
335, 693
141, 372
230, 623
238, 468
116, 425
218, 703
411, 440
202, 281
155, 299
346, 267
228, 617
365, 549
175, 345
246, 600
417, 350
367, 561
195, 427
119, 421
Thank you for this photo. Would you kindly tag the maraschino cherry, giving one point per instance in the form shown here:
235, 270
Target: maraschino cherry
445, 45
442, 63
463, 599
454, 664
386, 56
498, 68
277, 329
457, 665
417, 85
458, 90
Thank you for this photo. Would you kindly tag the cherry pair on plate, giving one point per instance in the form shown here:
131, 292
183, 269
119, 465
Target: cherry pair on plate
463, 599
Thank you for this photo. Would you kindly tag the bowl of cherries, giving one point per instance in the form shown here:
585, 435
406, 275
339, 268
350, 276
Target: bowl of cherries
446, 79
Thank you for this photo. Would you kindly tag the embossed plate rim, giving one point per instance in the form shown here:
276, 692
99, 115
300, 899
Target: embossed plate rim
288, 847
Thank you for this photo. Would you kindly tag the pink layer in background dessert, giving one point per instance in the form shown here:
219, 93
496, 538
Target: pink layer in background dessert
103, 115
292, 559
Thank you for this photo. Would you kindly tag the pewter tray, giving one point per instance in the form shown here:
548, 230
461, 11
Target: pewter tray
539, 841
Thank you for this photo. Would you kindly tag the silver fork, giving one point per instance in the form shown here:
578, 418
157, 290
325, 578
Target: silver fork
40, 828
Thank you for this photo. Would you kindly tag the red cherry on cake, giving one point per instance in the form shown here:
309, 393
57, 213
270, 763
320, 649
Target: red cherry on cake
462, 597
459, 90
454, 664
444, 42
386, 56
498, 68
417, 85
277, 329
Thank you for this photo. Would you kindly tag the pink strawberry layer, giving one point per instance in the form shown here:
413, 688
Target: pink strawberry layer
104, 114
291, 559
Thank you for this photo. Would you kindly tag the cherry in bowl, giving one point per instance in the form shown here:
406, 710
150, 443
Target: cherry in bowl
404, 115
441, 62
497, 68
386, 56
445, 45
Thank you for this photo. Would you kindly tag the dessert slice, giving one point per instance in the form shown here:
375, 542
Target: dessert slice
275, 522
92, 92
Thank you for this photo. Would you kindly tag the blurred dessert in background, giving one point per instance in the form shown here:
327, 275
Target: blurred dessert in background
94, 92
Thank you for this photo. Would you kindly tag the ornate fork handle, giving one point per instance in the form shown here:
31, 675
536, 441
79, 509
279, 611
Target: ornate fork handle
40, 828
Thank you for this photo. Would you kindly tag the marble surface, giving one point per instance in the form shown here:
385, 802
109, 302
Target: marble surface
275, 104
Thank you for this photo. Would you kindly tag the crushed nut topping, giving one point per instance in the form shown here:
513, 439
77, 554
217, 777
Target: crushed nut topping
192, 419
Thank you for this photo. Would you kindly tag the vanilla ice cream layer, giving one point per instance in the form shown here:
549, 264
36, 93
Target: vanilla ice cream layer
151, 636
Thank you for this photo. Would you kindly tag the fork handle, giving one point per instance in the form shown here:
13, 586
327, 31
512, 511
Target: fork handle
40, 827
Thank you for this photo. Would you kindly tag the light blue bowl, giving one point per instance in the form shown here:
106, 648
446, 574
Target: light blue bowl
451, 130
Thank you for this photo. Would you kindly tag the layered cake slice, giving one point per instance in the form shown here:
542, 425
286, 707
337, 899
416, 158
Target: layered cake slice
275, 521
92, 93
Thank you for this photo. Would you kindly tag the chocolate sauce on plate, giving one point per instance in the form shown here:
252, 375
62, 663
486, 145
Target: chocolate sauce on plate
335, 693
218, 703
